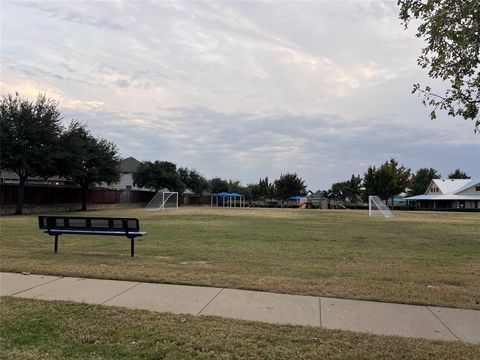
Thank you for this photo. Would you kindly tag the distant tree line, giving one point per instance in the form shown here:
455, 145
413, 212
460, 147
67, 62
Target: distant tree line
159, 175
387, 181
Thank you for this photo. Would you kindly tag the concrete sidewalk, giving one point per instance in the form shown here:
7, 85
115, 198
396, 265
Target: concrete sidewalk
365, 316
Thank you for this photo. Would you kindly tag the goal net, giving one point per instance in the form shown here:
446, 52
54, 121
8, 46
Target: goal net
163, 200
376, 207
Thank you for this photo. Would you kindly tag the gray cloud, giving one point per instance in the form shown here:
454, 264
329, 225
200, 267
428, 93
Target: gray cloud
122, 83
61, 11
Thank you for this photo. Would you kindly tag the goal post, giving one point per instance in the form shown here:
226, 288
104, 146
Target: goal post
376, 207
163, 200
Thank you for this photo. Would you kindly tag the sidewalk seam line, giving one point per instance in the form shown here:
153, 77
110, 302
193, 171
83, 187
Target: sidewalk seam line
210, 302
436, 317
33, 287
320, 308
123, 292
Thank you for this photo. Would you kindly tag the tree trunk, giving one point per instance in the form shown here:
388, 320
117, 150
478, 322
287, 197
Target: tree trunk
20, 193
84, 189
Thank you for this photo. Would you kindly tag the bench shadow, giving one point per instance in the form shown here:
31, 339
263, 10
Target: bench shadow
103, 254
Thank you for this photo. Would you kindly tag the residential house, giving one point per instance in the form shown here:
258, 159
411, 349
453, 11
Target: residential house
449, 194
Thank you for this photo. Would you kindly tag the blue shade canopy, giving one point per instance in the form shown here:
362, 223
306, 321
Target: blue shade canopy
297, 197
226, 194
235, 194
222, 194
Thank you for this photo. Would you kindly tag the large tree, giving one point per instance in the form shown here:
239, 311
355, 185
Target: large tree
158, 175
266, 188
218, 185
289, 184
386, 181
193, 180
252, 192
422, 178
458, 174
262, 190
29, 137
87, 160
451, 29
234, 186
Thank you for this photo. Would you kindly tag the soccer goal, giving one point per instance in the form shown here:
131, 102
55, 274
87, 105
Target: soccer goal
376, 207
163, 200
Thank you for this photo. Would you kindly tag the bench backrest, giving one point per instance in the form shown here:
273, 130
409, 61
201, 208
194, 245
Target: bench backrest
88, 223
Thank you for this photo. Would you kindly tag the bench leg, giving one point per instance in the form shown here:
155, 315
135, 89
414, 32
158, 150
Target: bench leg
132, 247
56, 244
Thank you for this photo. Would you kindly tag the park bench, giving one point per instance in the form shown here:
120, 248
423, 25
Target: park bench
60, 225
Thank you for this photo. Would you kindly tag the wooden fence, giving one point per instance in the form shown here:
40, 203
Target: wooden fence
55, 195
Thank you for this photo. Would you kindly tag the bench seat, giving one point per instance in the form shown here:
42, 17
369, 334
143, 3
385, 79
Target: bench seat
78, 225
95, 232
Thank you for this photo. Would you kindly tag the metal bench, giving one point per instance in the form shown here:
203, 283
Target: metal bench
60, 225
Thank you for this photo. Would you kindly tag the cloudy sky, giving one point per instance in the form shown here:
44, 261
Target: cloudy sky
237, 89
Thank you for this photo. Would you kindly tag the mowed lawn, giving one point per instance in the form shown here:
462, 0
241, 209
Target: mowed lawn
34, 329
417, 258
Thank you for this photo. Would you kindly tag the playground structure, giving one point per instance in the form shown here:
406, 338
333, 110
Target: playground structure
301, 201
319, 201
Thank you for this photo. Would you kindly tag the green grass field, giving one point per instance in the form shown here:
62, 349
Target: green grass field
33, 329
418, 258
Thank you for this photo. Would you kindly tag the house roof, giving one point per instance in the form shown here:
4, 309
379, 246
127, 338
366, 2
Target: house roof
449, 186
316, 195
451, 190
129, 165
446, 197
468, 185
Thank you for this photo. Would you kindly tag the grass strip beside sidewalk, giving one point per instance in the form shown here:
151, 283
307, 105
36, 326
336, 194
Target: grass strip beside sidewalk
33, 329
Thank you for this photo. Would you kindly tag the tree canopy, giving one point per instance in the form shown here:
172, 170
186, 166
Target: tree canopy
451, 29
218, 185
234, 186
158, 175
289, 184
266, 189
458, 174
421, 179
87, 160
386, 181
29, 138
193, 180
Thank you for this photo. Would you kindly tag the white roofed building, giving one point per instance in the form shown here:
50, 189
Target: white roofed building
449, 194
